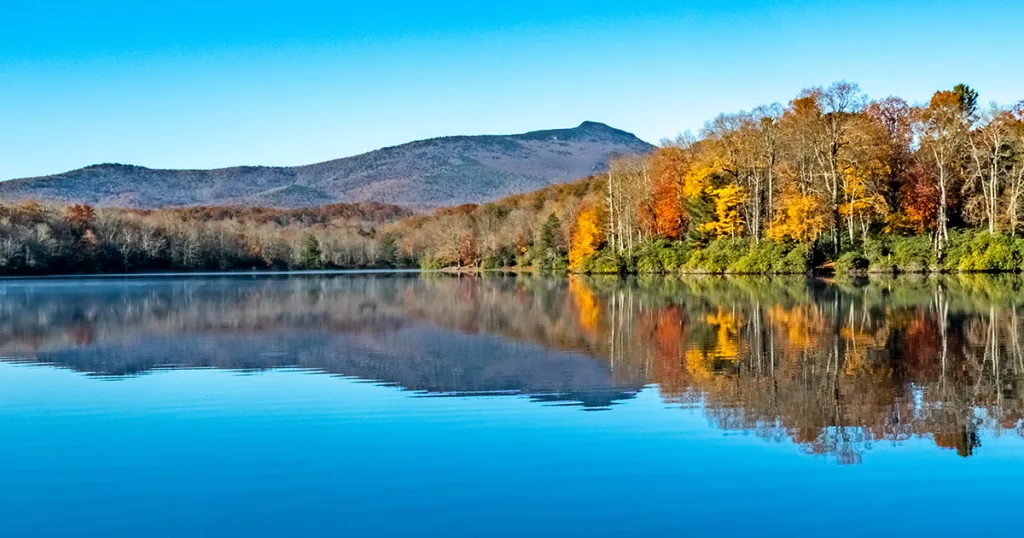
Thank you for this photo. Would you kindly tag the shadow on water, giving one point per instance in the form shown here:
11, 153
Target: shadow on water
833, 366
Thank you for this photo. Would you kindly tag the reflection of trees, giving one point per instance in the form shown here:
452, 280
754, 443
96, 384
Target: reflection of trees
837, 367
833, 366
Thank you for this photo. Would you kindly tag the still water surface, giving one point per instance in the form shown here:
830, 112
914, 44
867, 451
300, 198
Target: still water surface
393, 405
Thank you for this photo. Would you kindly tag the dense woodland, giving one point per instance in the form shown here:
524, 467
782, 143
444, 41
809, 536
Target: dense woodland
48, 239
832, 180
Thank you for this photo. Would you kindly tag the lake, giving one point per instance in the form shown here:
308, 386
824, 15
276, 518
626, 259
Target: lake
394, 405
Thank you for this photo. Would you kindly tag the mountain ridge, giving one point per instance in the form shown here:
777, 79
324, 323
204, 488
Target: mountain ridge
434, 172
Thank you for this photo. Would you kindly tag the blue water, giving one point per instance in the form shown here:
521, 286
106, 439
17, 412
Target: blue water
285, 451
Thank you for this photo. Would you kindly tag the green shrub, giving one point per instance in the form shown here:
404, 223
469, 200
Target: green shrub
491, 263
601, 263
649, 262
797, 260
1017, 244
661, 256
983, 251
433, 264
971, 250
717, 257
876, 250
674, 256
760, 259
912, 254
1001, 256
852, 262
959, 250
558, 265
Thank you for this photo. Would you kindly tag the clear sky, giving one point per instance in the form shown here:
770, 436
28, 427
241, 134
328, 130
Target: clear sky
199, 84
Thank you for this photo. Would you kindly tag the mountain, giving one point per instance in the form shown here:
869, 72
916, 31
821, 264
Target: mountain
428, 173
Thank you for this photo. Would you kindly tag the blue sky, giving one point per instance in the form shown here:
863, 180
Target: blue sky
192, 85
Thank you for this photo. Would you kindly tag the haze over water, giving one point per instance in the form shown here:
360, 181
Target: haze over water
392, 405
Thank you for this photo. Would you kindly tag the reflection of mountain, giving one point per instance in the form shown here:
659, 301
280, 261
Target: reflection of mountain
347, 326
831, 367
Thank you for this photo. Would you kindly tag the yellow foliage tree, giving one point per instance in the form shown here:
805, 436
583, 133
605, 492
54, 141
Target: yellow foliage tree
697, 179
586, 238
586, 304
801, 217
861, 202
728, 221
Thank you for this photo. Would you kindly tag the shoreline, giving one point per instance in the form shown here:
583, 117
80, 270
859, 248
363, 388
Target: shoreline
480, 271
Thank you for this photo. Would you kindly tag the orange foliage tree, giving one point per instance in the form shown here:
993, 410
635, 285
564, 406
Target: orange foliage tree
669, 166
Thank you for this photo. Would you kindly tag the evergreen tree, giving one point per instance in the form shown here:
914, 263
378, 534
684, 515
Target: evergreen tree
310, 253
551, 248
387, 251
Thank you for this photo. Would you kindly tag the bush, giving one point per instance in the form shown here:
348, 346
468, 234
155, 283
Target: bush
851, 262
912, 254
760, 259
491, 263
601, 263
433, 264
878, 253
959, 250
742, 257
649, 262
661, 256
674, 256
982, 251
797, 260
1000, 256
718, 256
558, 265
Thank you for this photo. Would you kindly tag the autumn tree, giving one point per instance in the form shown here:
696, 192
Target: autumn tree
767, 144
668, 168
79, 217
818, 122
866, 174
893, 118
728, 221
942, 128
1016, 173
799, 216
586, 238
991, 147
734, 141
627, 189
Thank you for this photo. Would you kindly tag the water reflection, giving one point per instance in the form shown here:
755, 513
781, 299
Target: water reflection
831, 366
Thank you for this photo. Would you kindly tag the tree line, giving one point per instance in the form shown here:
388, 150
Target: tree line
40, 239
853, 181
830, 180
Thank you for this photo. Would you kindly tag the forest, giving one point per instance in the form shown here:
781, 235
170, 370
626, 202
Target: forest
831, 181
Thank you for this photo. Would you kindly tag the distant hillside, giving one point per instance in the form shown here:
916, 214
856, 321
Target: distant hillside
427, 173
